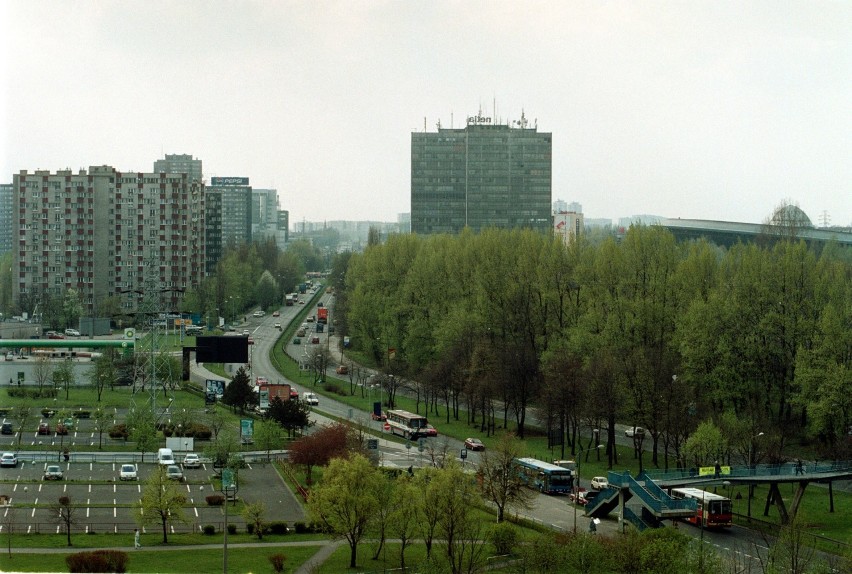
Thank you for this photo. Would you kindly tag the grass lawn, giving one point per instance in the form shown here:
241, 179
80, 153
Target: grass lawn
178, 560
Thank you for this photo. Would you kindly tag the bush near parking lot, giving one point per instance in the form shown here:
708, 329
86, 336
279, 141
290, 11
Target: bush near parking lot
97, 561
209, 529
195, 430
118, 431
214, 499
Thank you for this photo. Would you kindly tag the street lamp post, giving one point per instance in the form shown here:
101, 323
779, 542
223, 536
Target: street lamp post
751, 469
577, 487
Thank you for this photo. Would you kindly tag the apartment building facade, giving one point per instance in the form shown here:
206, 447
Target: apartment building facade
98, 231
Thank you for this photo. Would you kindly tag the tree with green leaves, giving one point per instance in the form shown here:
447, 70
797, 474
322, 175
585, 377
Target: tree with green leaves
706, 445
63, 376
346, 501
239, 394
161, 503
255, 514
104, 372
142, 427
102, 419
290, 414
458, 525
406, 513
21, 415
268, 436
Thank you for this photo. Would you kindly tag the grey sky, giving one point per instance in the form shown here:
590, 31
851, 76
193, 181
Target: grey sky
713, 110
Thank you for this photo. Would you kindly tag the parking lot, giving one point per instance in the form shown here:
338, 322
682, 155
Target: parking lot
106, 504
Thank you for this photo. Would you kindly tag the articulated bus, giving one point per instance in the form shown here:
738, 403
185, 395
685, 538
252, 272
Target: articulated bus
544, 476
718, 511
406, 424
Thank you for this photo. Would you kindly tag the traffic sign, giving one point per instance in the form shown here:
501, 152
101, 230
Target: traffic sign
387, 427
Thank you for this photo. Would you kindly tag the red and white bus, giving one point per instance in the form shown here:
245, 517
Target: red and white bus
714, 511
406, 424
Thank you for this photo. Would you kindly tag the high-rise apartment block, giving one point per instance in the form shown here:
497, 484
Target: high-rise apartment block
483, 175
5, 217
229, 204
180, 163
97, 232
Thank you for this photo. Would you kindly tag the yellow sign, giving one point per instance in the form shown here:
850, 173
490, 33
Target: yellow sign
711, 470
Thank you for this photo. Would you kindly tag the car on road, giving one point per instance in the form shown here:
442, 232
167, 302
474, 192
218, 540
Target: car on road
583, 497
301, 301
43, 428
55, 335
53, 472
381, 417
276, 314
72, 332
310, 319
599, 482
173, 472
192, 460
127, 472
8, 459
278, 326
473, 444
431, 431
634, 432
7, 429
302, 332
342, 370
246, 332
310, 399
315, 340
297, 341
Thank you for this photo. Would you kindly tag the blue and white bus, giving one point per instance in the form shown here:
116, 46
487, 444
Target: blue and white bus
544, 476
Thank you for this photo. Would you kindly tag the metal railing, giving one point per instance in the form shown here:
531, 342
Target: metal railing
808, 469
653, 497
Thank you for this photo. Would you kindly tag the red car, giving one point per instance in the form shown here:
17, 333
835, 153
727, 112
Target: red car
43, 428
431, 431
381, 417
473, 444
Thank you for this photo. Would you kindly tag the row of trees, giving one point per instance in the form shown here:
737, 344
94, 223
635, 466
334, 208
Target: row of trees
646, 331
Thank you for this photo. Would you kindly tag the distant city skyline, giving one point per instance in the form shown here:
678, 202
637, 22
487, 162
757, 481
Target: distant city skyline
713, 110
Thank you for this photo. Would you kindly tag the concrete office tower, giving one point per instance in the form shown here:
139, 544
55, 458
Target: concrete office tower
97, 231
483, 175
229, 207
264, 213
180, 163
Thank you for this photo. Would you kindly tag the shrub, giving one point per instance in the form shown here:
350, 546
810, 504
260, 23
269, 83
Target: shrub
232, 529
118, 431
301, 528
250, 528
277, 527
504, 537
214, 499
97, 561
81, 414
277, 561
209, 529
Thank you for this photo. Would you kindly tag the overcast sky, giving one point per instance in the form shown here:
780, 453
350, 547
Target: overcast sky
693, 109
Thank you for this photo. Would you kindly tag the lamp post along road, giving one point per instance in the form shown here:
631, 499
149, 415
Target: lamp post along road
751, 469
577, 487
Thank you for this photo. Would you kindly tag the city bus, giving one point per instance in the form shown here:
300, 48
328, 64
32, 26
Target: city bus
544, 476
719, 509
406, 424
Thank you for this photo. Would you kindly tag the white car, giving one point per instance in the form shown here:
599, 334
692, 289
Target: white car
8, 459
310, 399
53, 472
72, 332
634, 432
191, 460
127, 472
599, 482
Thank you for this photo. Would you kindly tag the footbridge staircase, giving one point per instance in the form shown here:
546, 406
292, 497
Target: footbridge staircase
656, 504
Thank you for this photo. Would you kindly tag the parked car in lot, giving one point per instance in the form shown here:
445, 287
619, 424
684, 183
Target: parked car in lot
8, 459
55, 335
43, 428
599, 482
127, 472
53, 472
7, 429
72, 332
61, 428
473, 444
173, 472
192, 460
634, 432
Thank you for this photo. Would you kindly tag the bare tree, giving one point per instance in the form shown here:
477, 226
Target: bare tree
42, 372
66, 514
500, 484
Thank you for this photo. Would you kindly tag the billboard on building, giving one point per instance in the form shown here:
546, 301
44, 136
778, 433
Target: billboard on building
214, 181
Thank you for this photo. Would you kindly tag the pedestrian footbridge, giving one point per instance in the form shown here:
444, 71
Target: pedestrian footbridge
650, 488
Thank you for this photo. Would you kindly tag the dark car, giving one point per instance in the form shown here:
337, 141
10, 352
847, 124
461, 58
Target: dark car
61, 428
473, 444
43, 428
7, 429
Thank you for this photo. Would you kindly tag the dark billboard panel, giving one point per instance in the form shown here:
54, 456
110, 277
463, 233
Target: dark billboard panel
220, 349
